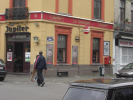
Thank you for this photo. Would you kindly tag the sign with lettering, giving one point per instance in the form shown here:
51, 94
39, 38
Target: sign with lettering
16, 29
125, 43
72, 20
19, 37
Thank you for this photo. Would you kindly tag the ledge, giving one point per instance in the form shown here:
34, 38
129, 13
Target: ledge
61, 64
16, 21
96, 64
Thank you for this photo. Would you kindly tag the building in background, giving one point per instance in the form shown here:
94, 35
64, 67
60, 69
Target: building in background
123, 34
58, 28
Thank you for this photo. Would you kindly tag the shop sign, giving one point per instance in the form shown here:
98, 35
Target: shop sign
49, 55
18, 37
50, 39
9, 56
16, 29
27, 56
74, 55
125, 43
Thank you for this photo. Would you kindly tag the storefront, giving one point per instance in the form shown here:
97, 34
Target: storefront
123, 50
18, 49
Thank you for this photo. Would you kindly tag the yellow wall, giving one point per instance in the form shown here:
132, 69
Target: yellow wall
109, 11
82, 8
3, 4
48, 5
3, 42
35, 5
63, 6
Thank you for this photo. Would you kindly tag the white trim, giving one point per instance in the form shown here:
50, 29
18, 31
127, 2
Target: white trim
126, 37
70, 16
2, 13
35, 11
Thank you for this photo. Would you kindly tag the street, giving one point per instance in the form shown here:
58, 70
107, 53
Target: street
30, 91
19, 87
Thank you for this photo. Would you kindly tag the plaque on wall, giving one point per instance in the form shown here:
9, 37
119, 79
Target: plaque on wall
49, 56
106, 48
74, 55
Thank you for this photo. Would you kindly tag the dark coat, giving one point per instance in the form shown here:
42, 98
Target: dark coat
40, 63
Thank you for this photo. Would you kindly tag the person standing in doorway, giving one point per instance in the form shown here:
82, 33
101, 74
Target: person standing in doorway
40, 64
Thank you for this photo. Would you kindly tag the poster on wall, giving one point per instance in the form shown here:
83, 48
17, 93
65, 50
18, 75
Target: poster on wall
9, 56
74, 55
27, 56
106, 48
49, 55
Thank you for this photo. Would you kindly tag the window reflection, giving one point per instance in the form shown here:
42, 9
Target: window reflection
61, 48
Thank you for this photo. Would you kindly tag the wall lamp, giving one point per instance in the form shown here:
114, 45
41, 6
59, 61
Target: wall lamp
35, 39
77, 39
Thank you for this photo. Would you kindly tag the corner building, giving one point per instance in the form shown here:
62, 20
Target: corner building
57, 28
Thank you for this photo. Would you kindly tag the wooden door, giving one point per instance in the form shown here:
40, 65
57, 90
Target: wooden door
26, 57
9, 56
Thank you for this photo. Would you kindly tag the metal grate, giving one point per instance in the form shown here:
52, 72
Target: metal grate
17, 13
62, 74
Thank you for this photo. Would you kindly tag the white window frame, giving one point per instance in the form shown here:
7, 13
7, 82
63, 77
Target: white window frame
121, 56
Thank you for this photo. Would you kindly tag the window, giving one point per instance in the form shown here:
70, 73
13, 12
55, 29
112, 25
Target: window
122, 10
124, 94
84, 94
18, 3
95, 56
97, 9
132, 16
61, 48
126, 55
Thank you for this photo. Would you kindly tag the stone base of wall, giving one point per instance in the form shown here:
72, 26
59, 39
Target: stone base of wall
81, 70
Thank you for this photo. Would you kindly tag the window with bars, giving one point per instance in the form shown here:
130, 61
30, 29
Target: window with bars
126, 55
18, 3
97, 9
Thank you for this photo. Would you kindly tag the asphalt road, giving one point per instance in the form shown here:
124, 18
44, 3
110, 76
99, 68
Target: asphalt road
20, 87
30, 91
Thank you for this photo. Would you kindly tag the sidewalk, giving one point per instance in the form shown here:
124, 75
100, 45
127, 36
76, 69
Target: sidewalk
66, 80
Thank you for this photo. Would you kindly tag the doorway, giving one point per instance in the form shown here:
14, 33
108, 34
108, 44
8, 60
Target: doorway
18, 57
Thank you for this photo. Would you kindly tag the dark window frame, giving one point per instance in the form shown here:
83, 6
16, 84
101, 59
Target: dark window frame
62, 49
122, 9
97, 2
96, 50
21, 3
